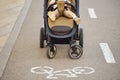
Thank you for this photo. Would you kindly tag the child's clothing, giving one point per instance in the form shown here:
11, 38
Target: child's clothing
67, 12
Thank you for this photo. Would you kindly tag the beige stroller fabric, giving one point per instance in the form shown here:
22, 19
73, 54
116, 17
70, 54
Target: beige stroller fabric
62, 20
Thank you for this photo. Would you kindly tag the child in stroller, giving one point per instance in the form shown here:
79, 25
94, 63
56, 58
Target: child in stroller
67, 12
61, 20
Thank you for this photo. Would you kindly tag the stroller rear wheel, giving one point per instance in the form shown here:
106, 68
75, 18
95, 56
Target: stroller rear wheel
81, 37
75, 52
42, 35
51, 52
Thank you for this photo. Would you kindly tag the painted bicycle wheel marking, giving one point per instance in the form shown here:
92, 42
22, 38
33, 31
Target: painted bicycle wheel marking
52, 74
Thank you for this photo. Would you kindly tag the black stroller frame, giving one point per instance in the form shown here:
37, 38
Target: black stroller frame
75, 51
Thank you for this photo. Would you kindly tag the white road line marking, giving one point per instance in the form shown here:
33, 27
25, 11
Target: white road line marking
107, 53
91, 12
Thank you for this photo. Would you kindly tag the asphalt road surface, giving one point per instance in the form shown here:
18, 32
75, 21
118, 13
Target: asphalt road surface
28, 62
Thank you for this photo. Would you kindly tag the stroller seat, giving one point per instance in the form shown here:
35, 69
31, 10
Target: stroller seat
62, 25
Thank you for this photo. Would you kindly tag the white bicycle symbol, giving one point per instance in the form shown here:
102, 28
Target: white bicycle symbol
65, 72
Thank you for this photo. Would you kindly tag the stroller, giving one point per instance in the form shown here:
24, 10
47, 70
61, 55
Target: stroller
60, 33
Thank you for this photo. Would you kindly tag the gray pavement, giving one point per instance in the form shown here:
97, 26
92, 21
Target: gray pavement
9, 12
26, 53
6, 51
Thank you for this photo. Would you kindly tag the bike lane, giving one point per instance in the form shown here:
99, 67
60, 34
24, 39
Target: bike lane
26, 55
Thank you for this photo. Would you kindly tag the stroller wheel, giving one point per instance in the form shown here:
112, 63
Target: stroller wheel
75, 52
51, 52
42, 38
81, 37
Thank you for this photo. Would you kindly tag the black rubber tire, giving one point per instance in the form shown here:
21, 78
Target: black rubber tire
81, 37
41, 38
51, 53
74, 55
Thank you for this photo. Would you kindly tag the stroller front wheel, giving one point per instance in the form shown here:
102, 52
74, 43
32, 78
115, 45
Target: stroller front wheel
51, 52
75, 52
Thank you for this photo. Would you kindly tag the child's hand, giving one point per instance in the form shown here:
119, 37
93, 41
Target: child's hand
52, 2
